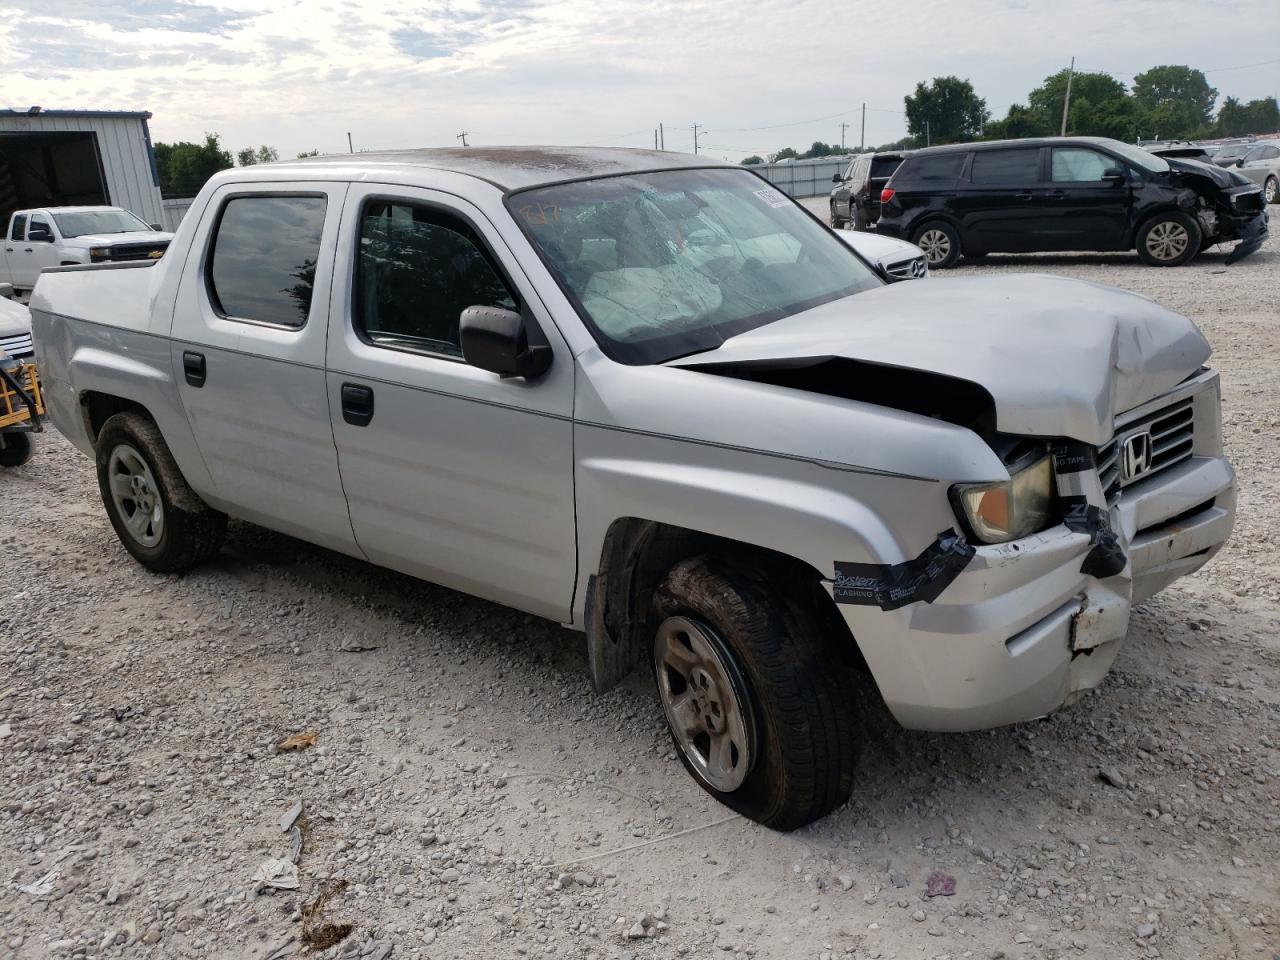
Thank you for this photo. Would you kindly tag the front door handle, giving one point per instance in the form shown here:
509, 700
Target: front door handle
1055, 195
27, 250
193, 367
357, 404
1022, 195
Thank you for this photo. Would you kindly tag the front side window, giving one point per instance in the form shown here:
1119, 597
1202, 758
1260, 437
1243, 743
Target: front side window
1006, 166
16, 232
667, 264
418, 268
39, 229
263, 263
1072, 165
88, 222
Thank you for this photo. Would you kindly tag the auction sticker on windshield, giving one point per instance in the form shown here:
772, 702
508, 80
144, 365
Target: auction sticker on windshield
774, 198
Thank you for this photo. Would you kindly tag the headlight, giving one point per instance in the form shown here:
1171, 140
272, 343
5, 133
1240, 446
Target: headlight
99, 253
1017, 507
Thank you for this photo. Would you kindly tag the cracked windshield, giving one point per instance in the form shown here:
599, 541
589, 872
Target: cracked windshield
667, 264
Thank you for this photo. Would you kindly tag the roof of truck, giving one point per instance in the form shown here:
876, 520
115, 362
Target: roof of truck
515, 168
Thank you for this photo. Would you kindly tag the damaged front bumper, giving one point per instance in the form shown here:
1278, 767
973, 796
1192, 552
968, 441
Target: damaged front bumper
1023, 630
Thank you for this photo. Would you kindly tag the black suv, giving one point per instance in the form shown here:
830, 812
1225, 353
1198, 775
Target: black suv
1068, 193
855, 202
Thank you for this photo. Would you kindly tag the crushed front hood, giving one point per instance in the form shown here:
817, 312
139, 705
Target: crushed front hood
1059, 357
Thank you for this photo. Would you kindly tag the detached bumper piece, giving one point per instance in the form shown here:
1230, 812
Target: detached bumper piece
1253, 234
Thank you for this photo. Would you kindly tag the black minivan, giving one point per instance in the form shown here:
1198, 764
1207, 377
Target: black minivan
1068, 193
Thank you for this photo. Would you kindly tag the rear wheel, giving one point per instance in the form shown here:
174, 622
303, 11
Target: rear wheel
158, 518
758, 697
16, 448
858, 221
1271, 190
940, 243
836, 220
1169, 239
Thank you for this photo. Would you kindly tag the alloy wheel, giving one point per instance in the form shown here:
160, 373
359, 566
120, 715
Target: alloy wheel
1269, 191
136, 495
705, 701
1167, 240
935, 244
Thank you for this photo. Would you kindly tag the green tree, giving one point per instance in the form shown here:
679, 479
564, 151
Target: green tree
752, 160
946, 111
1236, 119
264, 154
786, 153
184, 166
1173, 101
308, 153
1100, 107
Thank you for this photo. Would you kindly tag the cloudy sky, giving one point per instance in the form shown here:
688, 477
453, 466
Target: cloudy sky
299, 74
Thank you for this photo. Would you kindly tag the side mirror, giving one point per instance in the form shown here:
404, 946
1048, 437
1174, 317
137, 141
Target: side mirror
1240, 162
39, 235
1113, 175
836, 178
503, 342
157, 227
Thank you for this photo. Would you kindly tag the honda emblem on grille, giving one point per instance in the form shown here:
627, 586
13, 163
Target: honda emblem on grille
1135, 455
917, 269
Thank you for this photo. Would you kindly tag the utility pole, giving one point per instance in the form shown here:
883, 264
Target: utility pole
843, 128
463, 137
862, 140
927, 141
695, 138
655, 138
662, 138
1066, 101
350, 148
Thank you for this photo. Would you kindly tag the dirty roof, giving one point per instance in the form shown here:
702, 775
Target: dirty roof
513, 168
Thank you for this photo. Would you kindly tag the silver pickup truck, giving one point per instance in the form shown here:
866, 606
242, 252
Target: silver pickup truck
655, 400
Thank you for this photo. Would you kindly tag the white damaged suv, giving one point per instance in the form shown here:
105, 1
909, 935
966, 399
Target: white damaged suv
653, 399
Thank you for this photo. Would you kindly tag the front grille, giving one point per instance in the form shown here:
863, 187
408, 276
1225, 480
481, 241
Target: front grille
906, 269
17, 346
137, 251
1172, 432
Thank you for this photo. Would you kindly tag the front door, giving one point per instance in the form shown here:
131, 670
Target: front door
1085, 209
1002, 204
452, 474
248, 356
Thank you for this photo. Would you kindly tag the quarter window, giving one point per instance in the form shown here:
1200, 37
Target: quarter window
1080, 166
947, 166
263, 265
1006, 166
418, 269
19, 225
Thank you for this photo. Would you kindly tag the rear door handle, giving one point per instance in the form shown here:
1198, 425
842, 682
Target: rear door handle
1022, 195
357, 404
194, 368
1055, 195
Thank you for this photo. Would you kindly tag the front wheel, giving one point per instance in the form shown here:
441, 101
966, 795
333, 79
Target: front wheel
1169, 239
940, 243
16, 448
158, 518
858, 220
758, 697
836, 220
1271, 190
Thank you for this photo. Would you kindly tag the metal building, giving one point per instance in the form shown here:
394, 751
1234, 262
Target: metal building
72, 157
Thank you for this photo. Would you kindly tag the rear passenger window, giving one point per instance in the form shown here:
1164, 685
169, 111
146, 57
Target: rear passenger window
418, 269
263, 264
1080, 166
19, 224
1006, 166
944, 167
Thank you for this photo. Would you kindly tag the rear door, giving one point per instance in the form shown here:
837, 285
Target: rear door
1001, 204
1260, 163
453, 474
1084, 208
248, 356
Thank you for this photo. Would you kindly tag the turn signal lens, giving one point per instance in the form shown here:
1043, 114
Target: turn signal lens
1015, 508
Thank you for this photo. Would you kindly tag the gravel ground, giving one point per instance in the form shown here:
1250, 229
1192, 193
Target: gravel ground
476, 796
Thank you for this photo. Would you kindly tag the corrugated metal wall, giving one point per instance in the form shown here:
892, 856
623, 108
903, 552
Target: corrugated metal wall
174, 211
124, 148
803, 178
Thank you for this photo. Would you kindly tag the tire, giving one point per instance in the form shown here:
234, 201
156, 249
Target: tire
940, 243
1271, 190
18, 448
836, 221
859, 220
777, 681
1169, 239
168, 528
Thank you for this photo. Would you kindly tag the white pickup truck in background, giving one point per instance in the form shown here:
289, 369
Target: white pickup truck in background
59, 236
